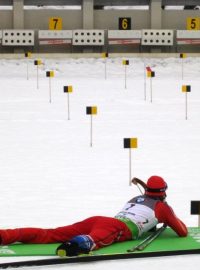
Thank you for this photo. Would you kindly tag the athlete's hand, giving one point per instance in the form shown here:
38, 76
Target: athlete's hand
137, 181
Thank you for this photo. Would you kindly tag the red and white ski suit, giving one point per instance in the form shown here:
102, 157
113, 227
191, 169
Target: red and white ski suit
102, 230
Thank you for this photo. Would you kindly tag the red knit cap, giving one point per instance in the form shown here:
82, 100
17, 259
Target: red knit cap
156, 186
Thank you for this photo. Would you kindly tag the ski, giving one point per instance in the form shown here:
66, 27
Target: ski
160, 247
92, 258
141, 246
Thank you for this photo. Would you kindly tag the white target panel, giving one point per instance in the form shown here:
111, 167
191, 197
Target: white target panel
188, 34
51, 34
88, 37
18, 38
125, 37
55, 37
132, 34
157, 37
188, 37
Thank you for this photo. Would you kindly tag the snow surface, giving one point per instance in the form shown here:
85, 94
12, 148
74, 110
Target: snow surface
105, 7
51, 176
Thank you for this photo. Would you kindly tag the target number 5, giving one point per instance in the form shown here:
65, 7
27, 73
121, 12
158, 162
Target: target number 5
193, 23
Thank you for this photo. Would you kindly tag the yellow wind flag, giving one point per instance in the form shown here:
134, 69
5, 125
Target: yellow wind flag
38, 62
91, 110
186, 88
125, 62
130, 143
50, 74
68, 89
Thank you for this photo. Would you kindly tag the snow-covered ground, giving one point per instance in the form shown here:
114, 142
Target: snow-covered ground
49, 174
106, 7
